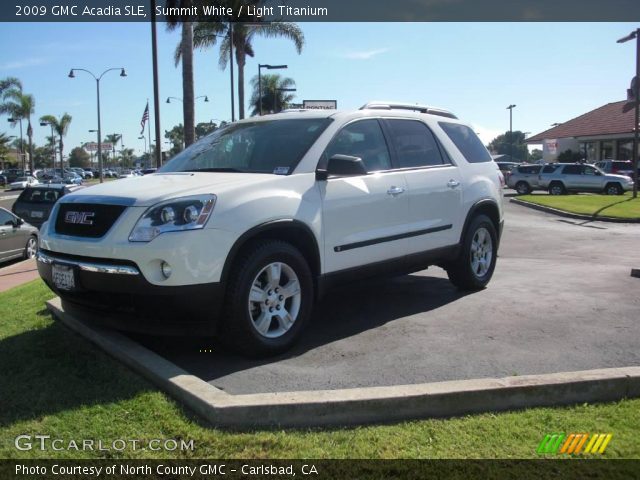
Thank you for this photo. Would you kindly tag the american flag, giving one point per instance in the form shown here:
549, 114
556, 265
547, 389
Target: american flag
145, 118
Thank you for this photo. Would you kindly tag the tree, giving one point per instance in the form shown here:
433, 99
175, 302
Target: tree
206, 34
273, 98
61, 127
79, 158
19, 105
186, 53
535, 155
205, 128
176, 137
113, 139
4, 148
10, 83
501, 145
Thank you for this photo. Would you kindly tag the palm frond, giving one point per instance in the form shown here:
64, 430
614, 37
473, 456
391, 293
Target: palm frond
288, 30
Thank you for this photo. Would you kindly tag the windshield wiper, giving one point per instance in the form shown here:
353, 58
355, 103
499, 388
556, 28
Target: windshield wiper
215, 169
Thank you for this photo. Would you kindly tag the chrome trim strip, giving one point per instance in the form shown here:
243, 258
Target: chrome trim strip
88, 266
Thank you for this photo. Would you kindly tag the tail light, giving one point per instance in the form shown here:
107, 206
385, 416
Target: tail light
501, 177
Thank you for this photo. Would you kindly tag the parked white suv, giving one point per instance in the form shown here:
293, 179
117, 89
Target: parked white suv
240, 233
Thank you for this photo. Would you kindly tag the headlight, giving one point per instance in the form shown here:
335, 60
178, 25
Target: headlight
179, 214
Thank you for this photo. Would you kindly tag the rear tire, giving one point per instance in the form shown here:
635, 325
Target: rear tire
557, 188
523, 188
475, 265
268, 301
30, 248
613, 189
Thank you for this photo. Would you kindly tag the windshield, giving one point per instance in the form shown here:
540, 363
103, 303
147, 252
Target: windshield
274, 146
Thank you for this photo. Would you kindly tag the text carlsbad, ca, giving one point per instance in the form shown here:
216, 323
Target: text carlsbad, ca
140, 11
161, 470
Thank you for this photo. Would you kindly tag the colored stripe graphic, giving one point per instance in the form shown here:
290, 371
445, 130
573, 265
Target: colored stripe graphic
573, 443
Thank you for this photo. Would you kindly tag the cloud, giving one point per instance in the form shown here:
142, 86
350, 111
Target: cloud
365, 54
27, 62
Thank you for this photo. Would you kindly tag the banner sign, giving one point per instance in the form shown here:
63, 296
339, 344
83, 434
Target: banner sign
93, 147
320, 104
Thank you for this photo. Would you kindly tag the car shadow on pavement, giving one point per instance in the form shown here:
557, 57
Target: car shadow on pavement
343, 313
47, 370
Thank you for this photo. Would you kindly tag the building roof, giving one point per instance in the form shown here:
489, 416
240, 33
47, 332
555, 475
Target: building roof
606, 120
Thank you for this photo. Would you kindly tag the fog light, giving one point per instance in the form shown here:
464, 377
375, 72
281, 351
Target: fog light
166, 269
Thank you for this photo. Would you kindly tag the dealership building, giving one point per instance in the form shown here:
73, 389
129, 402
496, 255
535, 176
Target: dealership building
603, 133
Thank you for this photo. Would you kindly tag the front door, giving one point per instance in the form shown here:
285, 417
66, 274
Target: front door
364, 217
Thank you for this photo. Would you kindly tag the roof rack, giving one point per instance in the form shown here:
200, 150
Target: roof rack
408, 106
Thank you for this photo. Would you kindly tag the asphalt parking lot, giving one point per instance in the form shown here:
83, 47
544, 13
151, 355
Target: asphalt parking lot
562, 299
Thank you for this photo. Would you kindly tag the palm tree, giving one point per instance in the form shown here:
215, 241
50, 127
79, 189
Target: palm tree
186, 52
273, 97
9, 83
205, 34
61, 127
113, 139
5, 141
20, 106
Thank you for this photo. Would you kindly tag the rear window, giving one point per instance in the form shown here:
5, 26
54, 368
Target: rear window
467, 142
622, 165
39, 196
549, 168
529, 169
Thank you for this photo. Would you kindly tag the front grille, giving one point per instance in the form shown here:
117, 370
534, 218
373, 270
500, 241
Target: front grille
87, 219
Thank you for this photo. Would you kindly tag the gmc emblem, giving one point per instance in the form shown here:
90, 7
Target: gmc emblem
79, 218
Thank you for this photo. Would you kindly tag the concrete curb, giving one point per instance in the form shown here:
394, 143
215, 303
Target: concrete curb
358, 405
577, 216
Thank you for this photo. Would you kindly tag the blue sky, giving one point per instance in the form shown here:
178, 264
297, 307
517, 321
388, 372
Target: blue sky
551, 71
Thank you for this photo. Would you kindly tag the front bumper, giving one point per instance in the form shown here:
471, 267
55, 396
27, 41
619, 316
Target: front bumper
116, 294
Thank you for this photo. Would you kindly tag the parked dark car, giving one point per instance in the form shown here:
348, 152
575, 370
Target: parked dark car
148, 171
34, 204
17, 238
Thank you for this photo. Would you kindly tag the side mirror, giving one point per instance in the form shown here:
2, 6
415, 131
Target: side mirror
19, 222
342, 166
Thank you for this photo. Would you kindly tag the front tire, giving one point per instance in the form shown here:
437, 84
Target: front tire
613, 189
269, 300
474, 267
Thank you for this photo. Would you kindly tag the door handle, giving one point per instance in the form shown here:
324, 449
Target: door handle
453, 183
395, 191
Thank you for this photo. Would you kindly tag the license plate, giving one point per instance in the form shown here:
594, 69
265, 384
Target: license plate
63, 277
36, 214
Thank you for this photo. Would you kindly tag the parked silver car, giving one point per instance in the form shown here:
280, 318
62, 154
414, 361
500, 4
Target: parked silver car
578, 177
524, 178
17, 238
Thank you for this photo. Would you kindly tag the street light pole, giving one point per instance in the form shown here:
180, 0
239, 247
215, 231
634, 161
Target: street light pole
636, 141
510, 108
97, 79
268, 67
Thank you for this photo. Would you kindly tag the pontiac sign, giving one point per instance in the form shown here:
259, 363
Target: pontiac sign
320, 104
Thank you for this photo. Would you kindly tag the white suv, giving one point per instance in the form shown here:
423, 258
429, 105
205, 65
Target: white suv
240, 233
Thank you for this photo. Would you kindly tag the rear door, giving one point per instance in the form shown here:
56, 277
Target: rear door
434, 185
10, 237
364, 217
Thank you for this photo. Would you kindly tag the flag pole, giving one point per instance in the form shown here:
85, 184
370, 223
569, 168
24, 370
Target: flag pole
149, 134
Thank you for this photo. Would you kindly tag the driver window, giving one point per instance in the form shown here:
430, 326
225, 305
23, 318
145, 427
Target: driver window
6, 219
589, 171
363, 139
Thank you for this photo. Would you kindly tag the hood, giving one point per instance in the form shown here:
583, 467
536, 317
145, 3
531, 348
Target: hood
615, 176
151, 189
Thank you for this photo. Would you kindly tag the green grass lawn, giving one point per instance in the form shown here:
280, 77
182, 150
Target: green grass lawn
623, 206
55, 383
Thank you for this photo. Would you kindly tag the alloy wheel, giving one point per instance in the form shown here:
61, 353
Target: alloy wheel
481, 252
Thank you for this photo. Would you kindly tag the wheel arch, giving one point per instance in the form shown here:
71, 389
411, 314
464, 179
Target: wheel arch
292, 231
486, 207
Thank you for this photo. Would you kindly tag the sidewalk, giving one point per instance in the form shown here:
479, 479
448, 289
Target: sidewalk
17, 273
